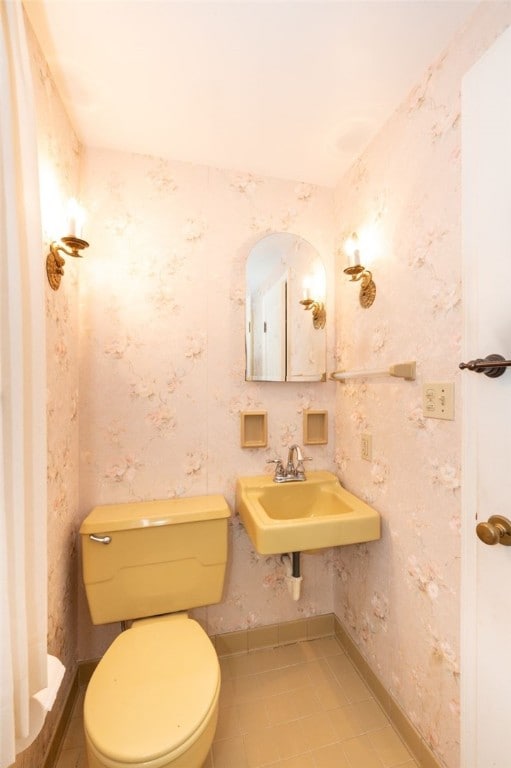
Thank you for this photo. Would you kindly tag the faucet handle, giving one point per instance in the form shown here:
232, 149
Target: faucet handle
279, 467
300, 471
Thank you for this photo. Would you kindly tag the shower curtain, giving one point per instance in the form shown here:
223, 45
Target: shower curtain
23, 567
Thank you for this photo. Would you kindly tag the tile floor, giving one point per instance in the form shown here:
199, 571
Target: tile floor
294, 706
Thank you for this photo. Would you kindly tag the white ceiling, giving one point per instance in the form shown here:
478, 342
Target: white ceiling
281, 88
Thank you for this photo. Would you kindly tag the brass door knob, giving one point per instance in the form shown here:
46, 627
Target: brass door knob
496, 531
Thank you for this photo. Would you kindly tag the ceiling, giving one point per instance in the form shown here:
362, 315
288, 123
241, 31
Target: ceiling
288, 89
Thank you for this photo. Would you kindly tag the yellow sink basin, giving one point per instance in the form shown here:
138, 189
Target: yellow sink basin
293, 517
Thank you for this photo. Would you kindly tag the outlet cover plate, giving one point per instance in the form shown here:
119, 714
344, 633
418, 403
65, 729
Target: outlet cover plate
438, 400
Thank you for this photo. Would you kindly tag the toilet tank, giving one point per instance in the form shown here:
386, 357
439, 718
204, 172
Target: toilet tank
148, 558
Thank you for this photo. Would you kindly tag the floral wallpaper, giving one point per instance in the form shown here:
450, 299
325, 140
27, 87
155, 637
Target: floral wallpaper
146, 382
162, 357
399, 597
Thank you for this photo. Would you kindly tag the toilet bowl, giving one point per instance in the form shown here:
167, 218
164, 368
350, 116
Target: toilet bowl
152, 701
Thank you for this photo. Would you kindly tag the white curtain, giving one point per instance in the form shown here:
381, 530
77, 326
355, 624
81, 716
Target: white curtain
23, 568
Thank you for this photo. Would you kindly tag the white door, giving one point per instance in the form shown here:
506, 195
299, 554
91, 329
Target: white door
274, 307
486, 570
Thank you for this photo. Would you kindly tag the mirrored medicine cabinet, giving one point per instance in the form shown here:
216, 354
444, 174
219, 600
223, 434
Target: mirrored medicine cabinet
285, 333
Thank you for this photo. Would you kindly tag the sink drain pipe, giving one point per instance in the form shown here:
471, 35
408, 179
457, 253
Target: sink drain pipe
291, 563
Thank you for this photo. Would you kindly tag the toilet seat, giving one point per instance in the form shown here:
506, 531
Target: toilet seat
153, 693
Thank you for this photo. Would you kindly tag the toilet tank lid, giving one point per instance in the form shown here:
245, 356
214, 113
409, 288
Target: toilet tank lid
145, 514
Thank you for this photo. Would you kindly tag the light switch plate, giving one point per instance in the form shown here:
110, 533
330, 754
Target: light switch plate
366, 447
438, 400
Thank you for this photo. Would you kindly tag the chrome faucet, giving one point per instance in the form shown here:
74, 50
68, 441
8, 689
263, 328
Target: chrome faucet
291, 467
291, 472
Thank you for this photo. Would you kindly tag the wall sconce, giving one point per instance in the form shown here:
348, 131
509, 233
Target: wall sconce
318, 312
317, 307
71, 245
358, 272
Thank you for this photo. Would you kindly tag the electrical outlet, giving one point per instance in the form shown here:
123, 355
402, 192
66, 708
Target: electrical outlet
366, 446
438, 400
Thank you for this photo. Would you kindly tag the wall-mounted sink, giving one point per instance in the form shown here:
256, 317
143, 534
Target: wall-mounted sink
293, 517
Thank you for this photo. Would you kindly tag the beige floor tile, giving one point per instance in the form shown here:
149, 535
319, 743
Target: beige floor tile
331, 756
290, 739
389, 747
331, 695
298, 706
251, 663
226, 698
252, 687
354, 687
240, 664
317, 731
344, 723
228, 726
285, 707
282, 679
300, 761
289, 678
229, 753
261, 748
368, 715
360, 754
410, 764
319, 671
263, 659
225, 669
340, 665
252, 716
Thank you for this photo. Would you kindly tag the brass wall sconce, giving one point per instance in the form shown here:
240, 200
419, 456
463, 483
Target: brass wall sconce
318, 312
71, 246
358, 272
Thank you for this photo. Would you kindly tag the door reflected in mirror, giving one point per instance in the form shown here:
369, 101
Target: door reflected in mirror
285, 286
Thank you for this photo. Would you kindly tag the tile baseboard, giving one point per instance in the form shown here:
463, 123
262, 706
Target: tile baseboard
274, 635
408, 732
60, 728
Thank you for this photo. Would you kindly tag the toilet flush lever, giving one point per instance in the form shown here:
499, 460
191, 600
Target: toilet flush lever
100, 539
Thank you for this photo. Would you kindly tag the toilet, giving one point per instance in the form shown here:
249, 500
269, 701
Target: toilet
152, 700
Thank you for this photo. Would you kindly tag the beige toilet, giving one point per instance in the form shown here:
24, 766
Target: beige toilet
153, 698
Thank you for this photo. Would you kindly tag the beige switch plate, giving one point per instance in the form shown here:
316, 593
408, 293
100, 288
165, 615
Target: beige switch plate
366, 446
438, 400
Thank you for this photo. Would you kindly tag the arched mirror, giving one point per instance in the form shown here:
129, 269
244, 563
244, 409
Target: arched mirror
285, 335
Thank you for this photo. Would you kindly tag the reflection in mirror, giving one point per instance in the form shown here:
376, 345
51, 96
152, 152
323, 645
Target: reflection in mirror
283, 343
